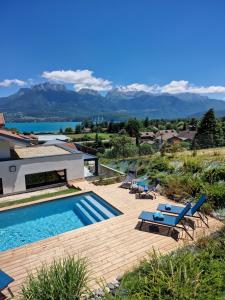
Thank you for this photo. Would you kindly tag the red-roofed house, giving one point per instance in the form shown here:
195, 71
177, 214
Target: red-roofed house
183, 136
165, 135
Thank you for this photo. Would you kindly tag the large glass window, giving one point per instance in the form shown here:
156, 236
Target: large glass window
45, 178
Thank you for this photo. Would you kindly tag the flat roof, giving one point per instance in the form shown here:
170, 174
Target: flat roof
40, 151
51, 137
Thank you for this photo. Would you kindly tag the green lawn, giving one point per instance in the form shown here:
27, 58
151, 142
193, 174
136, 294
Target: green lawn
104, 136
39, 197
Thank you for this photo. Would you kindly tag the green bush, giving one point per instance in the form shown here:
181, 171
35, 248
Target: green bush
182, 185
195, 272
214, 175
192, 165
65, 279
160, 164
216, 194
146, 149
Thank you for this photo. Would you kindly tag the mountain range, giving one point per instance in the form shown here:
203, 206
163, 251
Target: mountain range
49, 100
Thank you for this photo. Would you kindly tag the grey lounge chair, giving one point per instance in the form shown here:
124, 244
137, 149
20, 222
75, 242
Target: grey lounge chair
126, 184
193, 211
168, 221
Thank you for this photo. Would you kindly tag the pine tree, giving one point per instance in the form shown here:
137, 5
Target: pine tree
219, 135
133, 129
206, 132
146, 122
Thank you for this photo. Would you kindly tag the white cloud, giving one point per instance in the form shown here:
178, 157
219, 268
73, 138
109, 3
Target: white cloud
9, 82
80, 79
135, 87
174, 87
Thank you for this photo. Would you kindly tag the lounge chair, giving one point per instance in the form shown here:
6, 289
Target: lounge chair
127, 182
5, 280
193, 211
138, 185
168, 221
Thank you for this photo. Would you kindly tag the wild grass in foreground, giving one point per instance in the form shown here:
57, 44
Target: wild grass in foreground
195, 272
65, 279
38, 197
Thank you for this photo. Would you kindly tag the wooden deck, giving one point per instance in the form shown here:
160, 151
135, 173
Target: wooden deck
112, 246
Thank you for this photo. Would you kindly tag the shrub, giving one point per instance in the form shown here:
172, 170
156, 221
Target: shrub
142, 171
146, 149
195, 272
192, 166
182, 185
65, 279
160, 164
216, 194
214, 175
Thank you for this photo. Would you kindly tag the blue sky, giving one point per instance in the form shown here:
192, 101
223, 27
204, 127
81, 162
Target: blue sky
152, 45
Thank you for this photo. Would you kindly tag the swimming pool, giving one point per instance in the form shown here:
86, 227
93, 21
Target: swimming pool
36, 222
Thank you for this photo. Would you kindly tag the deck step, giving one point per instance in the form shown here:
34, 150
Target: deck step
91, 210
84, 214
99, 207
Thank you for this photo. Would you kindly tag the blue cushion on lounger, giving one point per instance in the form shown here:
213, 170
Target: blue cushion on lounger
5, 280
167, 206
158, 216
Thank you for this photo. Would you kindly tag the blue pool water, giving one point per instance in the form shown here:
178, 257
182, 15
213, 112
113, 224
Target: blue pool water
36, 222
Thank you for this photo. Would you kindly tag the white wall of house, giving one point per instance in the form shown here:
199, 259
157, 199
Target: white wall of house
4, 150
15, 181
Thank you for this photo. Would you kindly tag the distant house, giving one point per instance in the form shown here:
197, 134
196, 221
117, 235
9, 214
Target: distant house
165, 135
148, 135
2, 120
183, 136
187, 135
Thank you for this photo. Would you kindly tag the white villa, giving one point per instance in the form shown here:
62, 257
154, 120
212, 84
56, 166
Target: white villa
25, 165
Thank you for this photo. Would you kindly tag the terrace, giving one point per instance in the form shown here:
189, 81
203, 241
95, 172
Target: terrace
112, 246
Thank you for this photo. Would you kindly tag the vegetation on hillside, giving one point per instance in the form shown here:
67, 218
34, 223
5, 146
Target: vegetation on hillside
195, 272
183, 175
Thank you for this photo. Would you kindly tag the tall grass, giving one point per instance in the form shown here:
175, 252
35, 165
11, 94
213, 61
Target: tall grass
195, 273
65, 279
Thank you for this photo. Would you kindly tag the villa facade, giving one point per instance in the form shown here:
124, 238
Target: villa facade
25, 165
39, 166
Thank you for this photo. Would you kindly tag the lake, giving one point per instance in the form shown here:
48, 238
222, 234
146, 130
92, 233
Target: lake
41, 127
